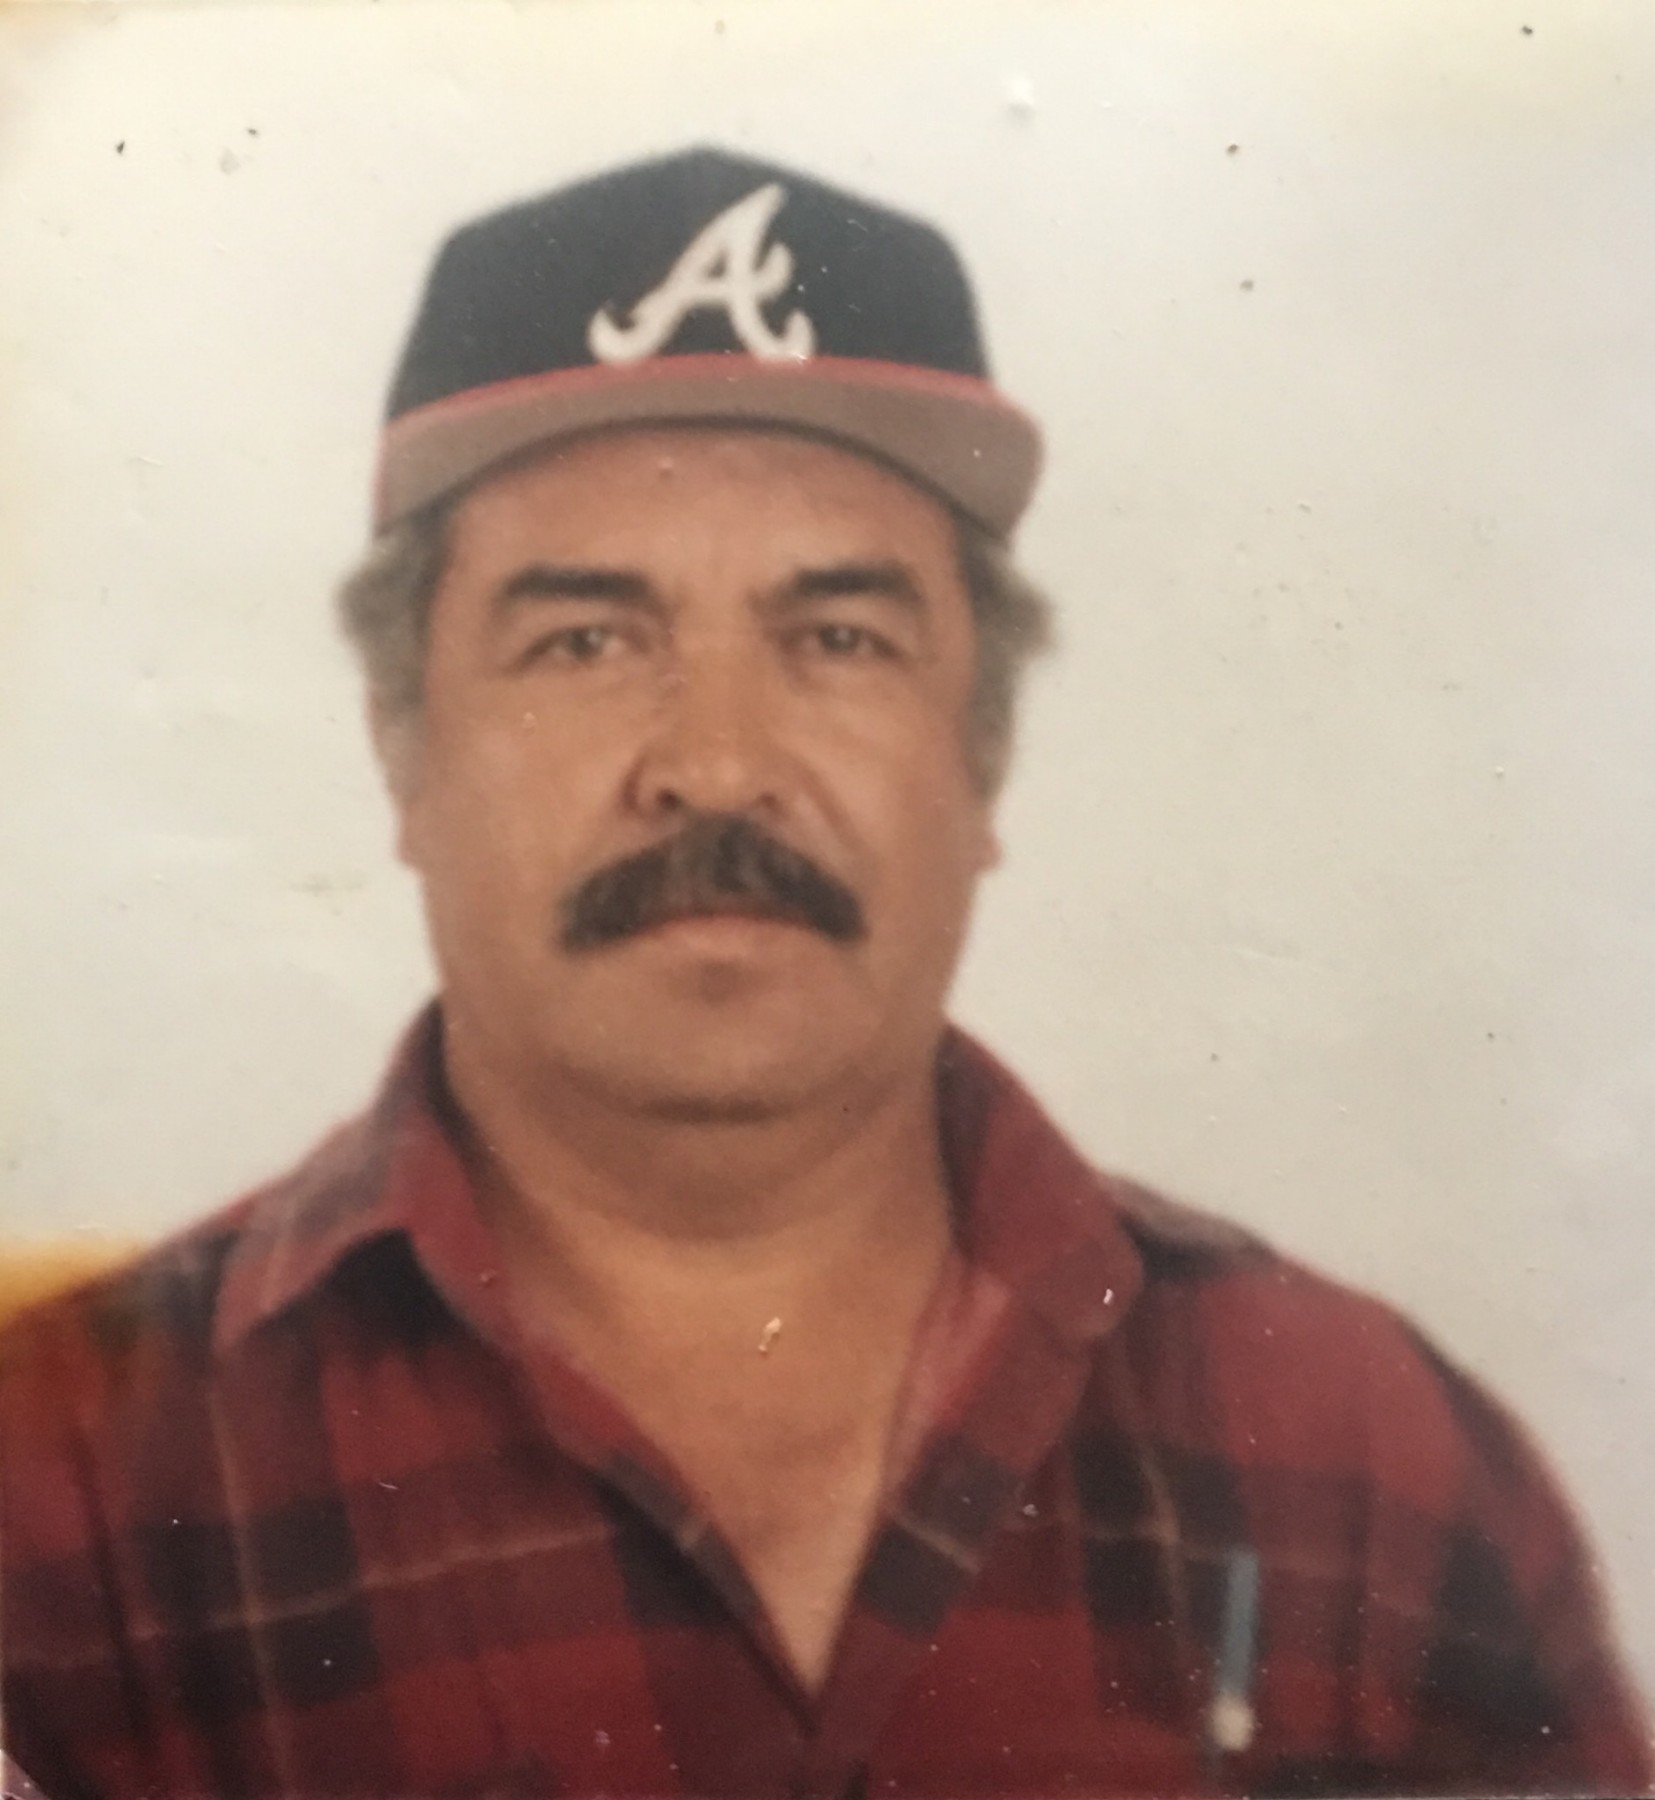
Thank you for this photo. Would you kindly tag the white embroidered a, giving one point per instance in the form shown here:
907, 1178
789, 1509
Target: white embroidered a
722, 266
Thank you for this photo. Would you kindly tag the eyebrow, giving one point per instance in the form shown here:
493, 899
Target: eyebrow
834, 581
843, 581
574, 581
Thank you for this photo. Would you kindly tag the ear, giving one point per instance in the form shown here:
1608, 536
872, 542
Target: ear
984, 837
396, 740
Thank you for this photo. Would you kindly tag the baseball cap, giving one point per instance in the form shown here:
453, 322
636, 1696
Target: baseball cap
702, 287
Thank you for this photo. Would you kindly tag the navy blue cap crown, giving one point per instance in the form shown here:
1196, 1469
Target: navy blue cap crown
702, 286
512, 294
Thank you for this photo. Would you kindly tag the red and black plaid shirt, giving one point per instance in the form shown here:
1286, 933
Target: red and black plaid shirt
290, 1508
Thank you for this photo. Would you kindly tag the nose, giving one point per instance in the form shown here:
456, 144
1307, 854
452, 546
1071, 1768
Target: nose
713, 746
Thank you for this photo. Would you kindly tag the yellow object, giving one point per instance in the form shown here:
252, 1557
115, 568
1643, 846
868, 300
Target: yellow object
31, 1272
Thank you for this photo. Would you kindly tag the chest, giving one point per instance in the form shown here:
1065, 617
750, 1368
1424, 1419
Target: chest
452, 1597
504, 1617
790, 1463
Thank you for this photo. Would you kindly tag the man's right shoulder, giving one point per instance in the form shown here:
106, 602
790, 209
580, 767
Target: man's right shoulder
109, 1323
130, 1330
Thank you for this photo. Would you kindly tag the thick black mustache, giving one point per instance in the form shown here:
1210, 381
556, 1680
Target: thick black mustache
719, 862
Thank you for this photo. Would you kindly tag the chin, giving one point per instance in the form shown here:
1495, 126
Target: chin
756, 1084
725, 1072
715, 1109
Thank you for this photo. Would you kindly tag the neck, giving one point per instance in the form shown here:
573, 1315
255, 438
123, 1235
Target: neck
613, 1215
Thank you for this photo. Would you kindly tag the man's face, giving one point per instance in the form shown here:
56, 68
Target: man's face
645, 628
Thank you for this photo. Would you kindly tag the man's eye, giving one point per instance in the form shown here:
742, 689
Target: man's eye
575, 644
844, 641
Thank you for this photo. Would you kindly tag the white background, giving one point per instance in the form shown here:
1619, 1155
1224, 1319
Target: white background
1330, 893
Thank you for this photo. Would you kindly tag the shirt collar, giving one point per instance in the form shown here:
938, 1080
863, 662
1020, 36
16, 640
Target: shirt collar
395, 1170
1032, 1212
1033, 1215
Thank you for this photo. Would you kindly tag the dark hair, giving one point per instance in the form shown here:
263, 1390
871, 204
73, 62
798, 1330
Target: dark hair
385, 608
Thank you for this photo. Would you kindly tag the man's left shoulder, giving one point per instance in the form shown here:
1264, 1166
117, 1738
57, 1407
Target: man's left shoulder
1305, 1366
1196, 1259
1181, 1242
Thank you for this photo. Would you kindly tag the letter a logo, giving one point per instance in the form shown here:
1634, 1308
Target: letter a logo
721, 267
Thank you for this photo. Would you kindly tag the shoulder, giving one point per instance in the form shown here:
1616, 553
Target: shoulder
67, 1358
1233, 1282
1178, 1241
1254, 1353
1395, 1507
1314, 1402
128, 1335
101, 1392
160, 1310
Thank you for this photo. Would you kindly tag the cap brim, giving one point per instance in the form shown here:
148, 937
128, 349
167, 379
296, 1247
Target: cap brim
954, 434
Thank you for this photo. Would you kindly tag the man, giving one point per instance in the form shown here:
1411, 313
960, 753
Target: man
703, 1371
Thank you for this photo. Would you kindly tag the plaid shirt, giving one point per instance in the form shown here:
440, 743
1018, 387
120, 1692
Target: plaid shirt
290, 1508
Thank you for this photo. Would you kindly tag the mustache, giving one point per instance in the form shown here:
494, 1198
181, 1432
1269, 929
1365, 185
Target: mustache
717, 863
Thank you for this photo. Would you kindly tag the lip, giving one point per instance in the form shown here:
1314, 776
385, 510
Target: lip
724, 927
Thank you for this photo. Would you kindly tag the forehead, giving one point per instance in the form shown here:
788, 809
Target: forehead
639, 492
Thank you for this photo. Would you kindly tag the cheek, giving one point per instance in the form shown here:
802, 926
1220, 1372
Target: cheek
905, 770
939, 839
496, 800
